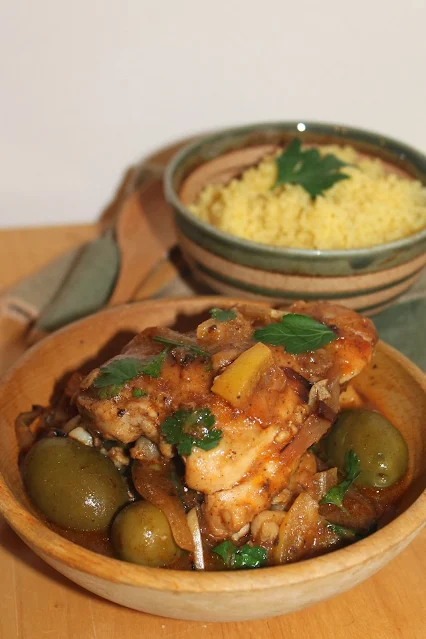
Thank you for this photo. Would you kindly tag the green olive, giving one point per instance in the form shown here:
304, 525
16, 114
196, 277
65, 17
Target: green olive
73, 485
380, 447
141, 534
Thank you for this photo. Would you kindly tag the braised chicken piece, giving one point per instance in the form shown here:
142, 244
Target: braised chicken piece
269, 405
125, 417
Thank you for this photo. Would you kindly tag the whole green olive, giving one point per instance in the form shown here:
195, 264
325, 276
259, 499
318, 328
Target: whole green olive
141, 534
380, 447
73, 485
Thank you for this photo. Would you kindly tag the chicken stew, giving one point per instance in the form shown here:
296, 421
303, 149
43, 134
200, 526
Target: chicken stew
239, 445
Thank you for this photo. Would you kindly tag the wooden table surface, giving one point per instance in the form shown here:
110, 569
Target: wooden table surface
36, 602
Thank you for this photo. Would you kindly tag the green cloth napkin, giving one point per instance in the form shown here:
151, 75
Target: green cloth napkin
38, 290
403, 326
87, 285
68, 288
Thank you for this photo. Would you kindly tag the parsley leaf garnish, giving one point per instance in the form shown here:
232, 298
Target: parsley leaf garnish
152, 365
188, 428
336, 495
313, 172
196, 350
177, 485
244, 557
139, 392
342, 531
115, 374
297, 333
222, 315
107, 392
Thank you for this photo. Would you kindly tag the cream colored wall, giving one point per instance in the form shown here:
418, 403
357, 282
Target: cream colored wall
89, 86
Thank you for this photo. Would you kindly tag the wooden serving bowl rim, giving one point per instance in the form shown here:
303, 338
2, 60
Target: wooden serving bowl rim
41, 538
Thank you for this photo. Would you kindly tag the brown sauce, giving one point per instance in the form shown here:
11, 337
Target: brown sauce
95, 541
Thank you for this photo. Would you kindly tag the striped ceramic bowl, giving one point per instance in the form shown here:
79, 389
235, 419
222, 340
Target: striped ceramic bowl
367, 280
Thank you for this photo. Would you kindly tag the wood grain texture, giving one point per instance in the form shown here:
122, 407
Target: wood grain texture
24, 251
37, 602
145, 234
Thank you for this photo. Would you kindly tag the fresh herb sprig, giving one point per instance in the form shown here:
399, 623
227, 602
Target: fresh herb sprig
192, 348
222, 315
244, 557
139, 392
313, 172
117, 372
153, 365
297, 333
336, 495
342, 531
114, 375
188, 428
108, 392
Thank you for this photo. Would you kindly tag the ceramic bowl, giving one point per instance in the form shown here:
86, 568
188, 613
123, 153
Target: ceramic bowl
396, 387
367, 280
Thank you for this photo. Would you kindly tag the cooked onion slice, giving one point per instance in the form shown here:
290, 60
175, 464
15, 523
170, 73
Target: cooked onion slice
27, 426
145, 450
322, 482
311, 432
298, 530
152, 482
194, 527
71, 424
81, 435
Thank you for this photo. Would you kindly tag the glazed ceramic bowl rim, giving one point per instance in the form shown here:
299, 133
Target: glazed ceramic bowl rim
173, 198
56, 548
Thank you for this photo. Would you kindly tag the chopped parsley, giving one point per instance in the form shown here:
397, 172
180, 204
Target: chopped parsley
192, 348
117, 372
336, 495
312, 171
188, 428
177, 485
244, 557
342, 531
222, 315
296, 333
107, 392
152, 365
114, 375
139, 392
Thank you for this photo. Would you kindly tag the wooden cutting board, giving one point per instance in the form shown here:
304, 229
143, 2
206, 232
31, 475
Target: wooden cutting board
38, 603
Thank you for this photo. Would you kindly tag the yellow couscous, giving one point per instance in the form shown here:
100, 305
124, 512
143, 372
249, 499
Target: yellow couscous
374, 206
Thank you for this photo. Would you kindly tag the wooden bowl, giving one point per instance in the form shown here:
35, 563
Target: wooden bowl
367, 280
395, 385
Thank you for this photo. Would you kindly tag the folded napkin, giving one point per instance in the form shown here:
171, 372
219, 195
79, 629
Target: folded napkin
84, 288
